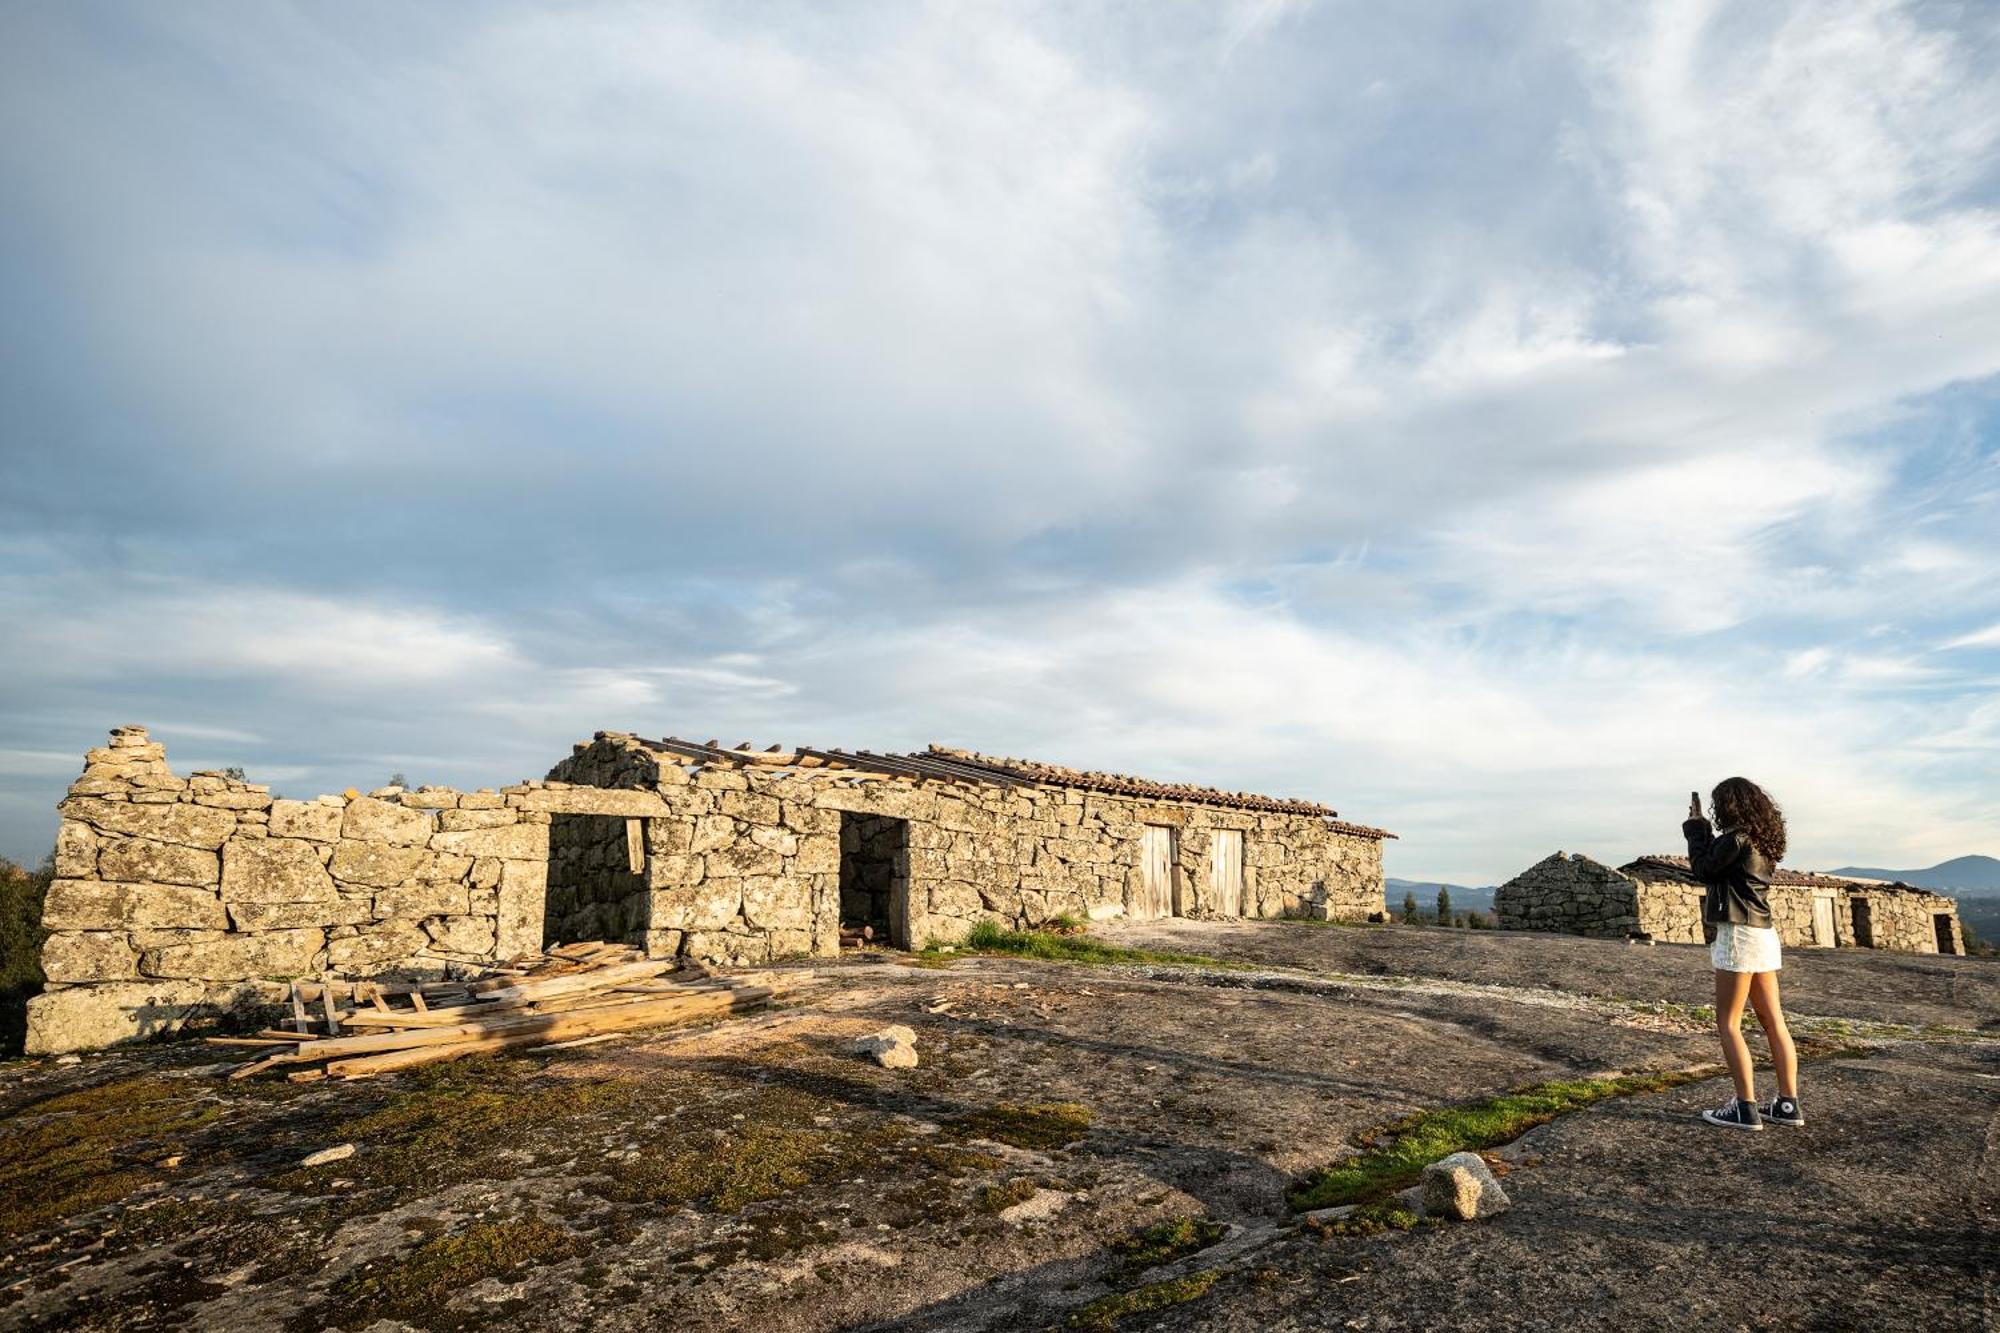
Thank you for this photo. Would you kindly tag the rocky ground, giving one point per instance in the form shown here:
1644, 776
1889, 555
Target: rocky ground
1081, 1145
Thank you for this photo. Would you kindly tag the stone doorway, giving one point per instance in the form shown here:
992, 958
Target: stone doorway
875, 875
1947, 940
597, 880
1864, 923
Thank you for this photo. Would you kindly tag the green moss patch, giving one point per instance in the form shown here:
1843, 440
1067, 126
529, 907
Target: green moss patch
1423, 1138
1373, 1219
724, 1163
1168, 1241
75, 1151
418, 1287
1061, 946
725, 1170
1039, 1125
1105, 1312
999, 1198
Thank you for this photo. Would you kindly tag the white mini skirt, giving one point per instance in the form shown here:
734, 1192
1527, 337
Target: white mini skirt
1745, 949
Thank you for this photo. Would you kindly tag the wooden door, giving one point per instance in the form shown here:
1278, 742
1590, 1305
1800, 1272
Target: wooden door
1156, 871
1225, 871
1823, 922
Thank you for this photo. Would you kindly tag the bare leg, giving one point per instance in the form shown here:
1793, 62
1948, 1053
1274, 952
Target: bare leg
1731, 989
1771, 1016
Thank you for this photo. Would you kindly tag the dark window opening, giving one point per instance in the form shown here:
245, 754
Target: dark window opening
875, 877
1864, 923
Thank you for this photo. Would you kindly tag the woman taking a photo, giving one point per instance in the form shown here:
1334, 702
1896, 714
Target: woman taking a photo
1735, 858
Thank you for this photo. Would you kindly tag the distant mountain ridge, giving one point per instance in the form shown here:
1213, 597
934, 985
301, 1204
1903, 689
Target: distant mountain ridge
1462, 895
1970, 873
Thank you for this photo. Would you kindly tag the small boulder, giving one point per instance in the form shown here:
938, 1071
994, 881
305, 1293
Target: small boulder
1462, 1187
894, 1047
325, 1155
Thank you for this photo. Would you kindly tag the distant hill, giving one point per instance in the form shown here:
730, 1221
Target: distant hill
1966, 874
1462, 895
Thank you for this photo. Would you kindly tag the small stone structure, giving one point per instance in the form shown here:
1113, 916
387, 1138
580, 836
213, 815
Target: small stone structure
1660, 897
176, 897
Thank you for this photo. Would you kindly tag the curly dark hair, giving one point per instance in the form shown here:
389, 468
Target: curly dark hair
1739, 803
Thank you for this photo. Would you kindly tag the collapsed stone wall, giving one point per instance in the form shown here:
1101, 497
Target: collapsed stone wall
1573, 895
747, 866
177, 896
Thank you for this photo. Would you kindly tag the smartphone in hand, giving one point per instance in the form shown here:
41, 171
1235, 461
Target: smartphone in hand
1694, 805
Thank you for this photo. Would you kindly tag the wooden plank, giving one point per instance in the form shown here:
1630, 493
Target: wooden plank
300, 1022
390, 1018
635, 845
268, 1062
332, 1019
557, 1027
602, 978
639, 1013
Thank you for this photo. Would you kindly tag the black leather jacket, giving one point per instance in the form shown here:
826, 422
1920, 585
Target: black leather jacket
1736, 873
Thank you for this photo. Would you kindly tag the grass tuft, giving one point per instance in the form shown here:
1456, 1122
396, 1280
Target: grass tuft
1103, 1314
1062, 945
1167, 1241
1373, 1219
999, 1198
1423, 1138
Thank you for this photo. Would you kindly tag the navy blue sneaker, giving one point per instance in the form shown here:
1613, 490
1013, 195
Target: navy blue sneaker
1737, 1114
1785, 1111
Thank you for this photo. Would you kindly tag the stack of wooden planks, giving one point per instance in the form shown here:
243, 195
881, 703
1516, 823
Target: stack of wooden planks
572, 994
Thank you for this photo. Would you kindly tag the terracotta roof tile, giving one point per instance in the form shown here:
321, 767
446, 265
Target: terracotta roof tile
1800, 878
1123, 784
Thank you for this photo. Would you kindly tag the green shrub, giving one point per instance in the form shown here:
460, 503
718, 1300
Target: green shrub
21, 936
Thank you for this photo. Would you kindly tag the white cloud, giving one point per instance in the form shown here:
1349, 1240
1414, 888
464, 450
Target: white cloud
1983, 638
1274, 396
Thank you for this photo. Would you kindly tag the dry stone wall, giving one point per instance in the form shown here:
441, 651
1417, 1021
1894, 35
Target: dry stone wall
180, 896
594, 891
1571, 894
1906, 919
747, 867
1670, 911
1576, 895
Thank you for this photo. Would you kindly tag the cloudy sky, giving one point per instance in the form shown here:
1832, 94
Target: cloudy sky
1493, 421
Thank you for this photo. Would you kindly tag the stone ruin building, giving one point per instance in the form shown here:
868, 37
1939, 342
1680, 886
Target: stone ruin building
177, 897
1659, 896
